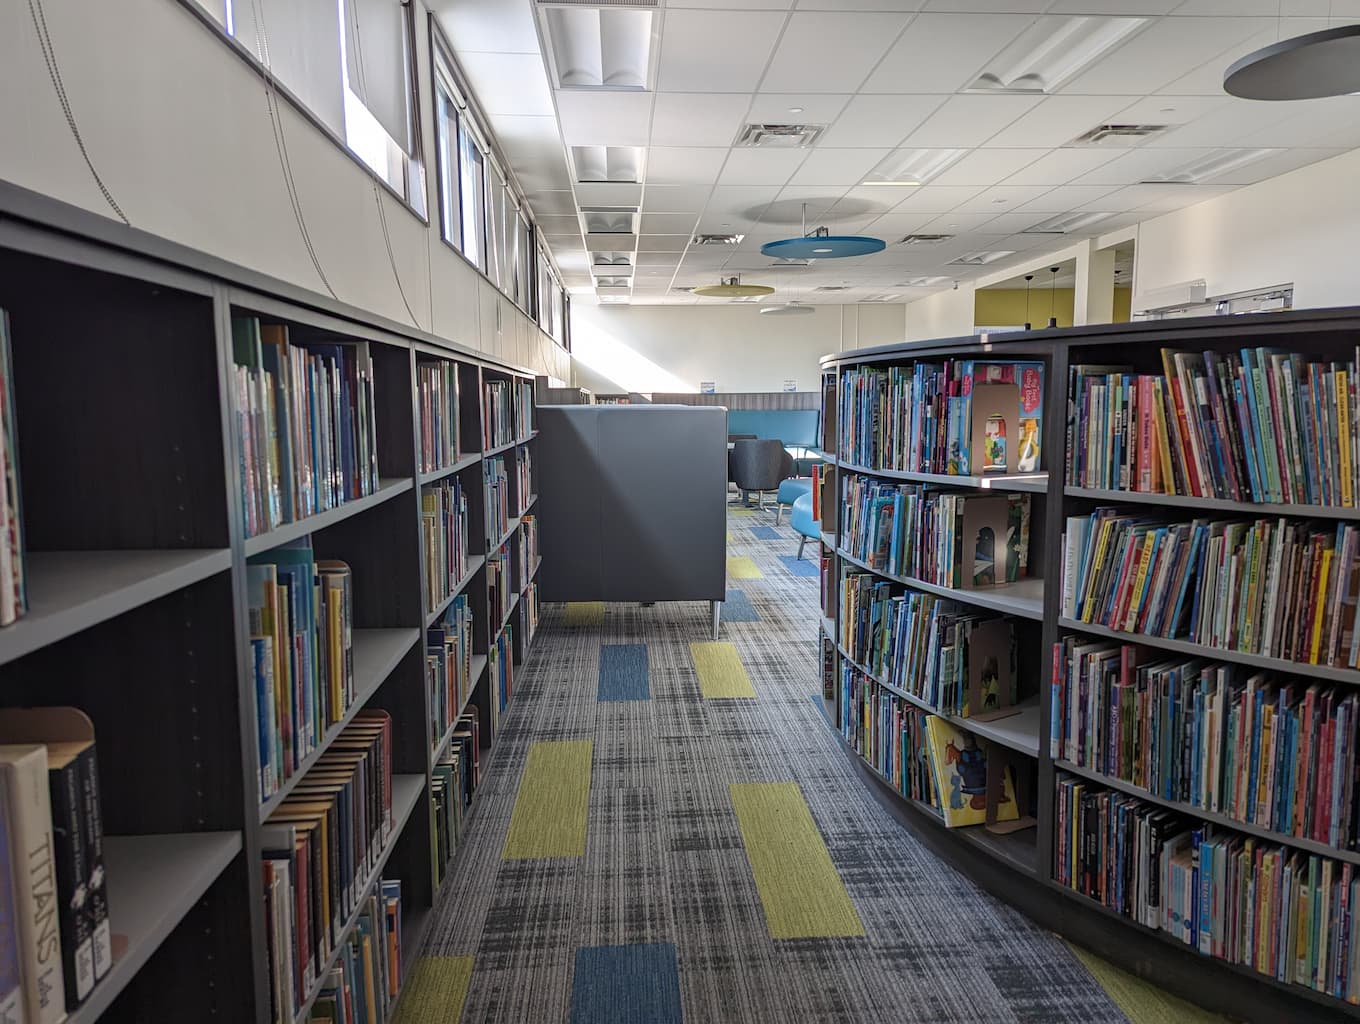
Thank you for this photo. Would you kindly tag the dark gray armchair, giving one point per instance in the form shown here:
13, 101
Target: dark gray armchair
758, 466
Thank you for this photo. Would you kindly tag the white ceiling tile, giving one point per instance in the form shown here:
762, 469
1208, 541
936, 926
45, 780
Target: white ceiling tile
1137, 164
604, 118
508, 83
1058, 120
1247, 8
860, 5
668, 165
968, 121
987, 166
1161, 53
940, 53
753, 5
1132, 197
829, 52
988, 6
1146, 8
1020, 243
662, 243
698, 119
957, 223
892, 226
715, 51
726, 223
774, 108
761, 166
745, 201
558, 224
1161, 200
935, 199
879, 120
1001, 199
843, 167
659, 260
1168, 109
1010, 223
1280, 163
1227, 125
788, 208
491, 25
1067, 198
1332, 123
668, 223
674, 198
1207, 78
1061, 166
547, 203
608, 193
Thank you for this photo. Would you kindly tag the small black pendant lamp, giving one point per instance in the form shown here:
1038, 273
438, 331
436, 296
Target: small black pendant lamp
1029, 278
1052, 288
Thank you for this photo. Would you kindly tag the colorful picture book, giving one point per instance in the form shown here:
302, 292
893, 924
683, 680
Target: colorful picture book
437, 398
890, 733
959, 762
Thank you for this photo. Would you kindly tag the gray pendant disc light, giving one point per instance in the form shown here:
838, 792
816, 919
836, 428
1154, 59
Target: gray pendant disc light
1306, 67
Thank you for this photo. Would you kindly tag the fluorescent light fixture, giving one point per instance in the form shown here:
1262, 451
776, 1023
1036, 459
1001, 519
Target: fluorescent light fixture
613, 262
612, 282
613, 298
1051, 51
924, 282
600, 49
909, 168
1066, 223
605, 220
982, 257
1206, 168
608, 163
882, 297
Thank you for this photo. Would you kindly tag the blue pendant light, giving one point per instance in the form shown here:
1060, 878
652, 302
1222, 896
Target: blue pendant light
822, 245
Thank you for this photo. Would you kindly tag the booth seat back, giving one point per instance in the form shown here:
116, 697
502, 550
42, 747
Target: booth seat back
792, 426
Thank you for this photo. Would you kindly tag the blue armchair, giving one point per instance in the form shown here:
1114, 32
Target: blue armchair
789, 491
802, 522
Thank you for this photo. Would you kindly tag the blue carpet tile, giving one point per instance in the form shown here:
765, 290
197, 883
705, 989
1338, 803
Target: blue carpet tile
637, 984
738, 608
623, 672
766, 533
800, 566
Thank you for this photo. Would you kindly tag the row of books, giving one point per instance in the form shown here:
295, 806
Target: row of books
937, 650
501, 671
957, 417
530, 618
1256, 425
320, 848
55, 938
528, 548
448, 666
302, 645
924, 757
445, 539
498, 508
500, 584
13, 580
306, 421
1283, 913
452, 784
1277, 587
437, 397
362, 986
507, 412
826, 581
948, 538
1275, 753
524, 477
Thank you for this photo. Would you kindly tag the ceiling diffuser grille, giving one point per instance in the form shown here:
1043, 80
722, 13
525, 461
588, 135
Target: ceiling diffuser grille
924, 239
780, 136
1117, 134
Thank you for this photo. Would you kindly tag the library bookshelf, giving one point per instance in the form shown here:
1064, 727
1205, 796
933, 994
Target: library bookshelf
1023, 866
131, 476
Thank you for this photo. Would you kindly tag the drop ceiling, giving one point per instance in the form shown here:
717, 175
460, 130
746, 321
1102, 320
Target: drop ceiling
972, 97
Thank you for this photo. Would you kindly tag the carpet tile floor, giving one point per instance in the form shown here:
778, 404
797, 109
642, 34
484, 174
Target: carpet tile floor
669, 831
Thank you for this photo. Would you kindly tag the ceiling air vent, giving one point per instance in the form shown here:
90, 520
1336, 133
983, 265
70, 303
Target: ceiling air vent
924, 239
780, 136
1118, 134
832, 288
717, 239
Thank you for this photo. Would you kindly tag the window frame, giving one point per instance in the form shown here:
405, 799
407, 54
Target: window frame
234, 45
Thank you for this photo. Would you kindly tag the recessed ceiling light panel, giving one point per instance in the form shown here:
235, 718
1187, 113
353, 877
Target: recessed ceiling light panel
1051, 51
907, 167
1066, 223
608, 163
982, 257
1206, 168
595, 47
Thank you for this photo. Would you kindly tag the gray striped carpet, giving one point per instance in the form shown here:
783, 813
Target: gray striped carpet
665, 861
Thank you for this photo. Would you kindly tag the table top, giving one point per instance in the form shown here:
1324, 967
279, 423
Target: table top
797, 451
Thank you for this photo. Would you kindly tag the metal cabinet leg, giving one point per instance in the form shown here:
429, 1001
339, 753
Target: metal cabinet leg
717, 614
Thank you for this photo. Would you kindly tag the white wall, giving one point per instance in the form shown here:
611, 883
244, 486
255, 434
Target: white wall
673, 348
178, 128
1301, 227
946, 314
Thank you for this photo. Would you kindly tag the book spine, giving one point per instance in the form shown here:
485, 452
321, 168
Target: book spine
11, 972
69, 851
32, 850
97, 897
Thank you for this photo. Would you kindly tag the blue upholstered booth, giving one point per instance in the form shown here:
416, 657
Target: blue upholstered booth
795, 427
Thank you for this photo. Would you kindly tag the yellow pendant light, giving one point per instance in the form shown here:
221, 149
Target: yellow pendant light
732, 288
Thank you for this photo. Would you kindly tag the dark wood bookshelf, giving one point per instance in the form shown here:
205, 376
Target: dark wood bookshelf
131, 480
1020, 867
